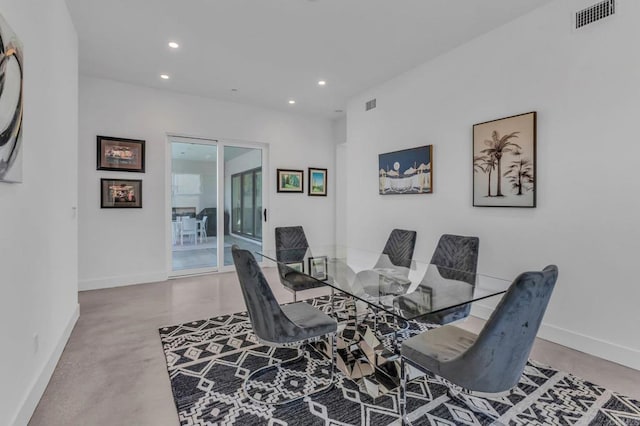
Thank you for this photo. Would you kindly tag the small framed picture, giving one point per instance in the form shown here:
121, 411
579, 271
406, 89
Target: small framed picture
318, 267
296, 266
120, 193
317, 182
118, 154
290, 180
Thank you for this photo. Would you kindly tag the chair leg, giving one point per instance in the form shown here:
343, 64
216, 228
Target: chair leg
402, 398
301, 354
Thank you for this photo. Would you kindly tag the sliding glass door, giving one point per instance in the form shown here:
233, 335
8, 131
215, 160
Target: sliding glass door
216, 202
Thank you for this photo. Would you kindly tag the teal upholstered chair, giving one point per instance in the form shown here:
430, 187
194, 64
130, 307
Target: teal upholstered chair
492, 362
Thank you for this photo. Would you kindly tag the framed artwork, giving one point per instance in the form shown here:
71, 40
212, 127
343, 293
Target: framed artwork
409, 171
296, 266
118, 154
120, 193
318, 267
317, 182
290, 180
504, 162
11, 102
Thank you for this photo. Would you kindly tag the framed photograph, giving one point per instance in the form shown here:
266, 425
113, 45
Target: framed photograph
120, 193
290, 180
123, 155
318, 267
296, 266
317, 182
504, 162
409, 171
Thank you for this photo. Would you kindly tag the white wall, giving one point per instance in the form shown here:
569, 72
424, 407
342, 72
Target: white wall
585, 86
38, 228
139, 247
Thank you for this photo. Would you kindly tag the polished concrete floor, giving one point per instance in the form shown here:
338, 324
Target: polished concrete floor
113, 371
204, 254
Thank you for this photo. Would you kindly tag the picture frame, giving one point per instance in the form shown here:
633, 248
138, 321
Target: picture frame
408, 171
296, 266
317, 182
120, 193
290, 180
120, 154
318, 267
504, 162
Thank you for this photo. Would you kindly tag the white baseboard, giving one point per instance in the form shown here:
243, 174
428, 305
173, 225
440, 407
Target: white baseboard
119, 281
610, 351
37, 388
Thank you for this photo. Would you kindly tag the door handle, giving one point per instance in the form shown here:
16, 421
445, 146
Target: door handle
265, 215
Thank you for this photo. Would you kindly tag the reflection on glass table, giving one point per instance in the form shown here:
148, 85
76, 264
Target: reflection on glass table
396, 295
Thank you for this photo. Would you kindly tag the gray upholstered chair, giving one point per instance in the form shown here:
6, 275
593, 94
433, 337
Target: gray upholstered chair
291, 247
457, 259
397, 255
294, 324
491, 363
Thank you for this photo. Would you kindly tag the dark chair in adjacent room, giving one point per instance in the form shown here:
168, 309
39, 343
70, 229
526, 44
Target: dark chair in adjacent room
456, 258
291, 247
288, 325
491, 363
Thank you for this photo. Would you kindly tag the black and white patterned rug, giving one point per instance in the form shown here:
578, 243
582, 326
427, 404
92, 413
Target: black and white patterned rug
208, 360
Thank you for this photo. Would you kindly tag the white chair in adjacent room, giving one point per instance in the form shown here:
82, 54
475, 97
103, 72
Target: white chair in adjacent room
189, 227
202, 229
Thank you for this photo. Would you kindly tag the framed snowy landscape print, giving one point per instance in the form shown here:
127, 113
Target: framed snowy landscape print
504, 162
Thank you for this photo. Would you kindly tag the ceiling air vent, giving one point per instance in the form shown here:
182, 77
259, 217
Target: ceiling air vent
370, 105
595, 13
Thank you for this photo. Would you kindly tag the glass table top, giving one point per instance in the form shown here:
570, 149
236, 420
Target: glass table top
407, 291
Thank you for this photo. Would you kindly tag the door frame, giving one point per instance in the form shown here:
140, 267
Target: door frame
220, 143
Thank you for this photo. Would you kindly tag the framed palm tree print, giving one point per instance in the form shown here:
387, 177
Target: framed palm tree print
504, 162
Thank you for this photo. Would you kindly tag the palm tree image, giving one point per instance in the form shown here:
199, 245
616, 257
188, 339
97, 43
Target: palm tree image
485, 164
520, 173
497, 147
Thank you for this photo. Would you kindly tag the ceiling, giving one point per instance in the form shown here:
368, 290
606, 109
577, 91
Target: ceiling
276, 50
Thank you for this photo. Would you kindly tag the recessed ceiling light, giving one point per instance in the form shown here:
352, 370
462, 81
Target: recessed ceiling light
322, 83
164, 76
291, 101
173, 45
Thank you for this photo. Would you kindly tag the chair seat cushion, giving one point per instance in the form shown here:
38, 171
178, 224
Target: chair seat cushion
299, 282
312, 321
429, 349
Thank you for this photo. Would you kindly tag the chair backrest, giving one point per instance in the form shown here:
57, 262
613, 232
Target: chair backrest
502, 348
458, 253
267, 319
189, 223
399, 248
204, 221
291, 246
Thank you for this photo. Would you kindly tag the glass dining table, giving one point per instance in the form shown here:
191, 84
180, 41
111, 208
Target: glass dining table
379, 303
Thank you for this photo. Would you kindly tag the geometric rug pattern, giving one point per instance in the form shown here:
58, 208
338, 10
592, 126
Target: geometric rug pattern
207, 361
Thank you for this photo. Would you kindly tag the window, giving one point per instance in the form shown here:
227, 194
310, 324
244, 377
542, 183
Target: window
246, 203
187, 184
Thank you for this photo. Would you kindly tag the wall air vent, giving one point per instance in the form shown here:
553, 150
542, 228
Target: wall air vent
595, 13
370, 105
